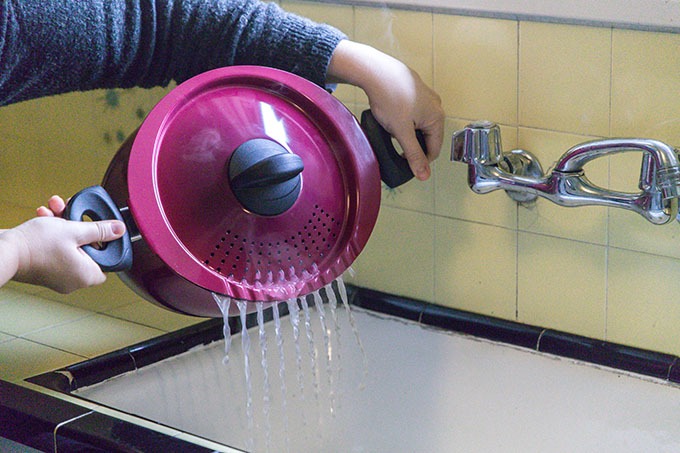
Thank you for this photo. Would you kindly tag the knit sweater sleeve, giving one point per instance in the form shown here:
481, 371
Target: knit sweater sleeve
58, 46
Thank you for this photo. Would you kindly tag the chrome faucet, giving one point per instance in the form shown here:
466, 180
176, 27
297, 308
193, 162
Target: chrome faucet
520, 174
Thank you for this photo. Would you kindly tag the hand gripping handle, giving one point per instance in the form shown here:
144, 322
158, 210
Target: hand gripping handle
95, 203
394, 168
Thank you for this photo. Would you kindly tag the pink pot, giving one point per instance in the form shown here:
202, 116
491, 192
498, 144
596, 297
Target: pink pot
244, 181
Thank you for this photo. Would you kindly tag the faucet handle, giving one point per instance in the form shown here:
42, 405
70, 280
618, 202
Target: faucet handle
478, 142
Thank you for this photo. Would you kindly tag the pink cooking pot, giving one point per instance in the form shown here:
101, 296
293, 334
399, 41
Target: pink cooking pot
244, 181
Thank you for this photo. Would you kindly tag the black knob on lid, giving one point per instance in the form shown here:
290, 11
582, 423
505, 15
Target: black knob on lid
265, 176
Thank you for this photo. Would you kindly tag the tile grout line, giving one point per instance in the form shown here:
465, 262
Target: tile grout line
434, 173
538, 341
46, 345
670, 369
517, 205
52, 326
609, 178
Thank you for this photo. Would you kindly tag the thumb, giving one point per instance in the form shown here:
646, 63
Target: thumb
100, 231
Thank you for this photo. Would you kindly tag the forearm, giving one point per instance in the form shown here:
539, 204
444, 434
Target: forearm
64, 45
361, 65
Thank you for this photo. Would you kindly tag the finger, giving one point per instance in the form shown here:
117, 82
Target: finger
110, 230
85, 273
57, 205
434, 139
414, 154
42, 211
91, 274
101, 231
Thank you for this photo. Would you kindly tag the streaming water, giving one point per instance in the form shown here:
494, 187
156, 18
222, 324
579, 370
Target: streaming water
318, 303
224, 302
245, 345
282, 373
265, 370
312, 348
345, 301
331, 345
294, 314
333, 305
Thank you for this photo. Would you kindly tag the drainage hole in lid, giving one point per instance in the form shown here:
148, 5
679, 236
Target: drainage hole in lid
315, 239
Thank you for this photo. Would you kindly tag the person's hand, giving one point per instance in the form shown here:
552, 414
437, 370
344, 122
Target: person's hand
398, 98
55, 207
46, 250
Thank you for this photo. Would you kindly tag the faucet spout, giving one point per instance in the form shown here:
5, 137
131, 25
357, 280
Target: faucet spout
520, 174
660, 165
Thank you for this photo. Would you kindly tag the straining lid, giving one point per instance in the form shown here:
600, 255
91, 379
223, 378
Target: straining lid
187, 204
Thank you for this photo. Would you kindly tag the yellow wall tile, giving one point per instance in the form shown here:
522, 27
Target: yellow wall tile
561, 284
47, 148
12, 214
116, 115
61, 144
646, 85
642, 305
476, 67
406, 35
29, 359
107, 296
338, 16
631, 231
151, 315
94, 335
475, 267
624, 171
20, 288
30, 313
414, 195
399, 255
564, 78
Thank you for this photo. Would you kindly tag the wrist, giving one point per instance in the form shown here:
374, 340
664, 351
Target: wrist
9, 255
359, 65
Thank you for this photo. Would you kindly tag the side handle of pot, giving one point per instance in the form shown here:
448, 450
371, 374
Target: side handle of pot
394, 168
94, 202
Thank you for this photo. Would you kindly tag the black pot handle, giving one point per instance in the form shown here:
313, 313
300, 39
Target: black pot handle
96, 203
394, 169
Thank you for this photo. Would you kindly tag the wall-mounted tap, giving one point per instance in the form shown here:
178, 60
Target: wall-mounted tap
520, 174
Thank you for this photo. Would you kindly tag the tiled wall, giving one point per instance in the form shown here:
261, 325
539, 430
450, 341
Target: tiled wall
598, 272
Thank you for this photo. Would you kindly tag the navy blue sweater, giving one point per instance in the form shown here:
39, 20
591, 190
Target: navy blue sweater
56, 46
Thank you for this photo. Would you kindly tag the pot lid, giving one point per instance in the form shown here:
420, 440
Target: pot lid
253, 183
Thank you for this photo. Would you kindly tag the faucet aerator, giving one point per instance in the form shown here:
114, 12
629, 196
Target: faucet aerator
669, 182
